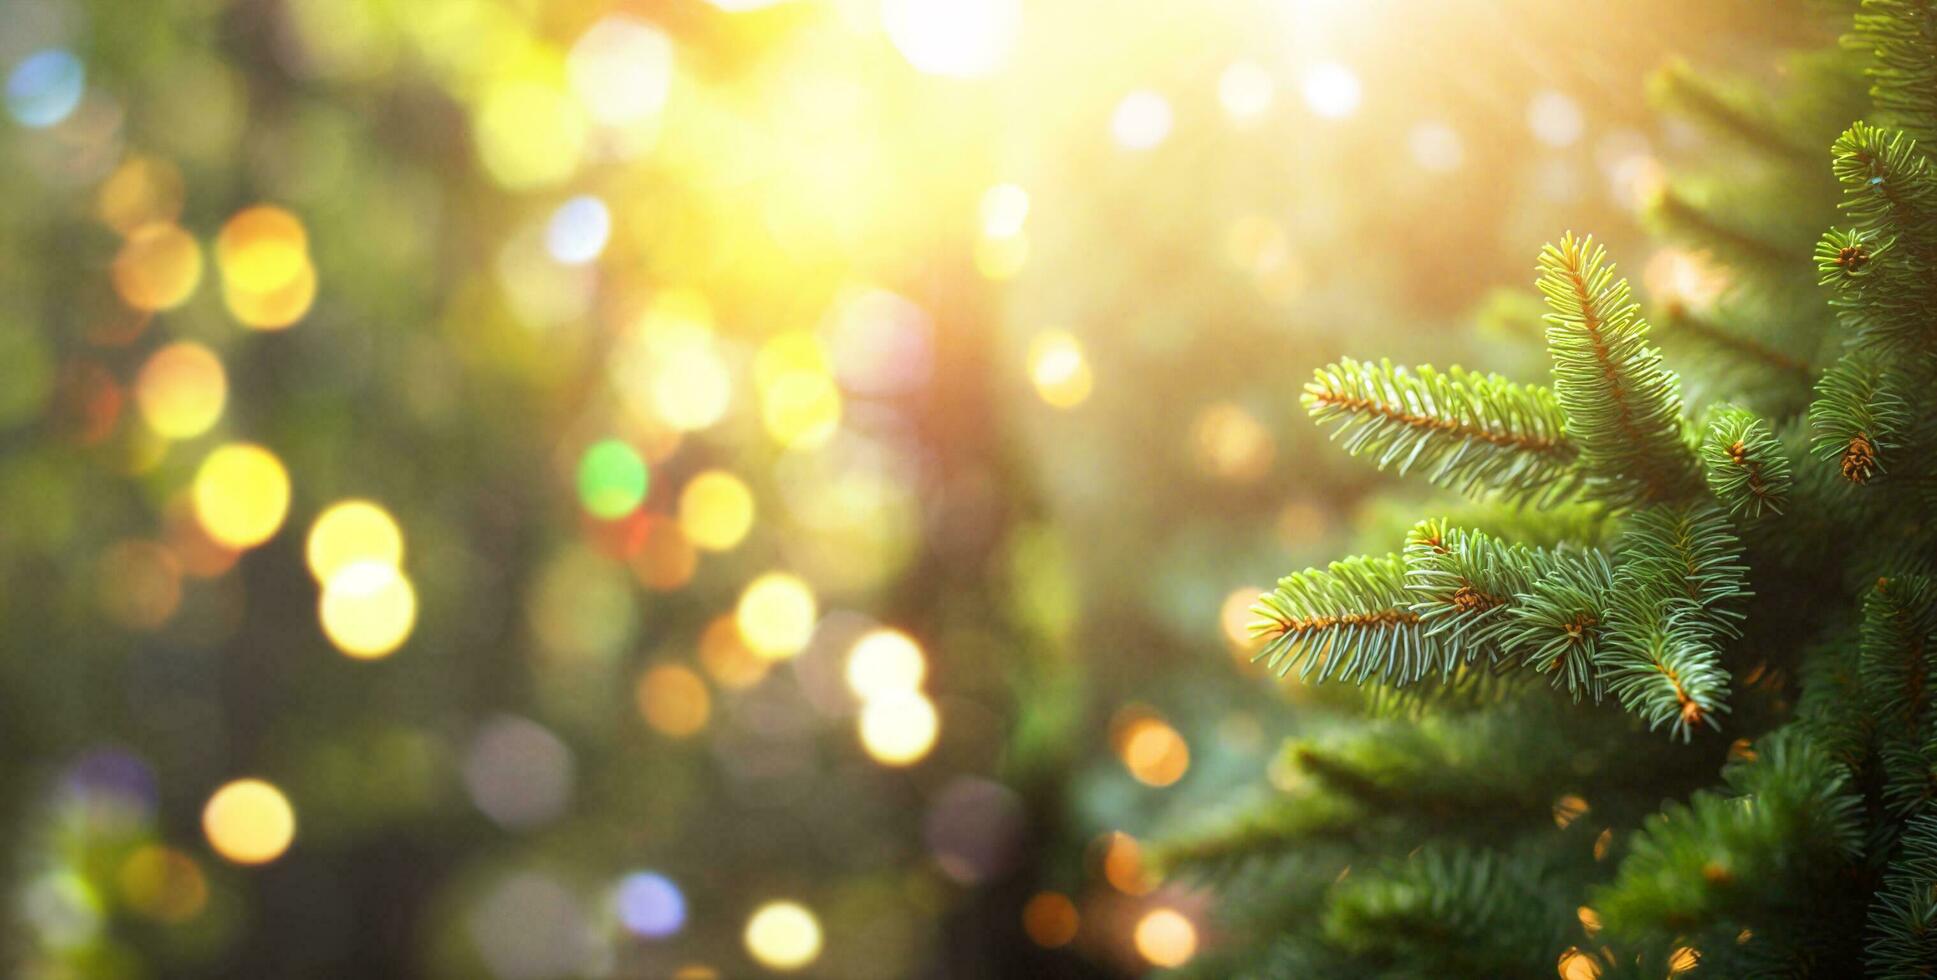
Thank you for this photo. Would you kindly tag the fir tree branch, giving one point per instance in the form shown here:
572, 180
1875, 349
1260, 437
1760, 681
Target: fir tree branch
1888, 186
1896, 660
1903, 36
1858, 417
1744, 464
1481, 597
1788, 821
1464, 583
1465, 431
1351, 620
1561, 622
1451, 912
1687, 556
1903, 915
1623, 407
1660, 668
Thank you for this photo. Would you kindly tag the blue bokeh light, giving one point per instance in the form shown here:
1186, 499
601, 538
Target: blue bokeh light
650, 905
578, 230
45, 87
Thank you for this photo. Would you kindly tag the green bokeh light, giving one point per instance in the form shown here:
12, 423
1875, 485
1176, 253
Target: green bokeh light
612, 479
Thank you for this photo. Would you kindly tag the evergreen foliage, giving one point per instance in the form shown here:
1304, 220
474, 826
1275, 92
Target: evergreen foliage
1417, 843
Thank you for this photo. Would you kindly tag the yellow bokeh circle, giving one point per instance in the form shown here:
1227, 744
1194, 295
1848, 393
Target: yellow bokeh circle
181, 390
715, 510
249, 821
368, 609
899, 729
783, 936
241, 495
158, 267
351, 531
884, 662
776, 615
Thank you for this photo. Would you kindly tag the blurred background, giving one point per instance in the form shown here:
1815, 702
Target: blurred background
715, 488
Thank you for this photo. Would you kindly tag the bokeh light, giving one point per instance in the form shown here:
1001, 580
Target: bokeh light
518, 773
140, 584
1246, 90
158, 267
776, 615
241, 495
783, 936
1230, 443
716, 510
885, 662
350, 531
163, 884
726, 658
621, 68
268, 279
1123, 866
650, 905
45, 87
1153, 752
1050, 919
1436, 147
1555, 119
1003, 209
249, 821
181, 390
1166, 938
578, 230
1142, 120
801, 409
668, 367
955, 38
1332, 90
673, 699
261, 248
1576, 965
530, 133
899, 728
1059, 369
141, 191
368, 609
612, 479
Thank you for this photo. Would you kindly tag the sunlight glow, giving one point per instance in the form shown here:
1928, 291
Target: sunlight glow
953, 38
1332, 90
